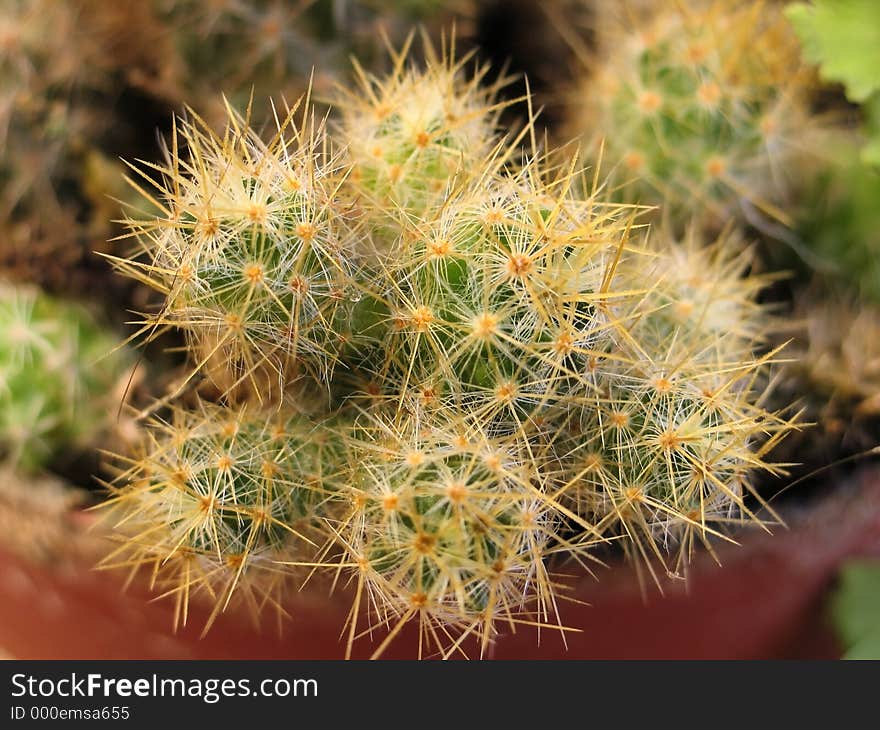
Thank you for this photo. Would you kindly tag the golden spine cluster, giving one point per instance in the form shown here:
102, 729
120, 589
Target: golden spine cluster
503, 370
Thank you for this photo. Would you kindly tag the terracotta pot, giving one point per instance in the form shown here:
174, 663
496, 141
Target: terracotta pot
765, 601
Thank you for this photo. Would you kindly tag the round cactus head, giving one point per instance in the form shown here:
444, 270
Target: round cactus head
413, 134
666, 455
251, 249
219, 498
447, 527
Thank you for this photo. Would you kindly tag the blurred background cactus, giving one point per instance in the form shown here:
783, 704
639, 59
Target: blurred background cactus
702, 108
271, 48
56, 66
87, 82
60, 378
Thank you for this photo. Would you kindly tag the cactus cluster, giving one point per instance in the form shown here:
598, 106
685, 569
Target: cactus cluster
702, 109
465, 364
418, 357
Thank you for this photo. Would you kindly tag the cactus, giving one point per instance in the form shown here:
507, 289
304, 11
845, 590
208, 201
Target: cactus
665, 456
501, 328
703, 110
58, 377
218, 497
410, 133
252, 249
449, 527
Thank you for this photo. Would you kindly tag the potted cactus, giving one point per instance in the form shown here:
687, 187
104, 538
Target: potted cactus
456, 366
434, 377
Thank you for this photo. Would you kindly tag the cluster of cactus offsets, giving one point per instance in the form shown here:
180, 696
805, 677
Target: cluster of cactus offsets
55, 395
450, 526
701, 108
496, 369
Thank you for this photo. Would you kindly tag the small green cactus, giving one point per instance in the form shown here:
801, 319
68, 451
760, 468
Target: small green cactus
58, 377
701, 110
663, 458
412, 133
251, 250
448, 527
220, 497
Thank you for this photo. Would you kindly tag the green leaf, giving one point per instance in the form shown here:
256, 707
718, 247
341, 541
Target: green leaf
843, 38
856, 609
